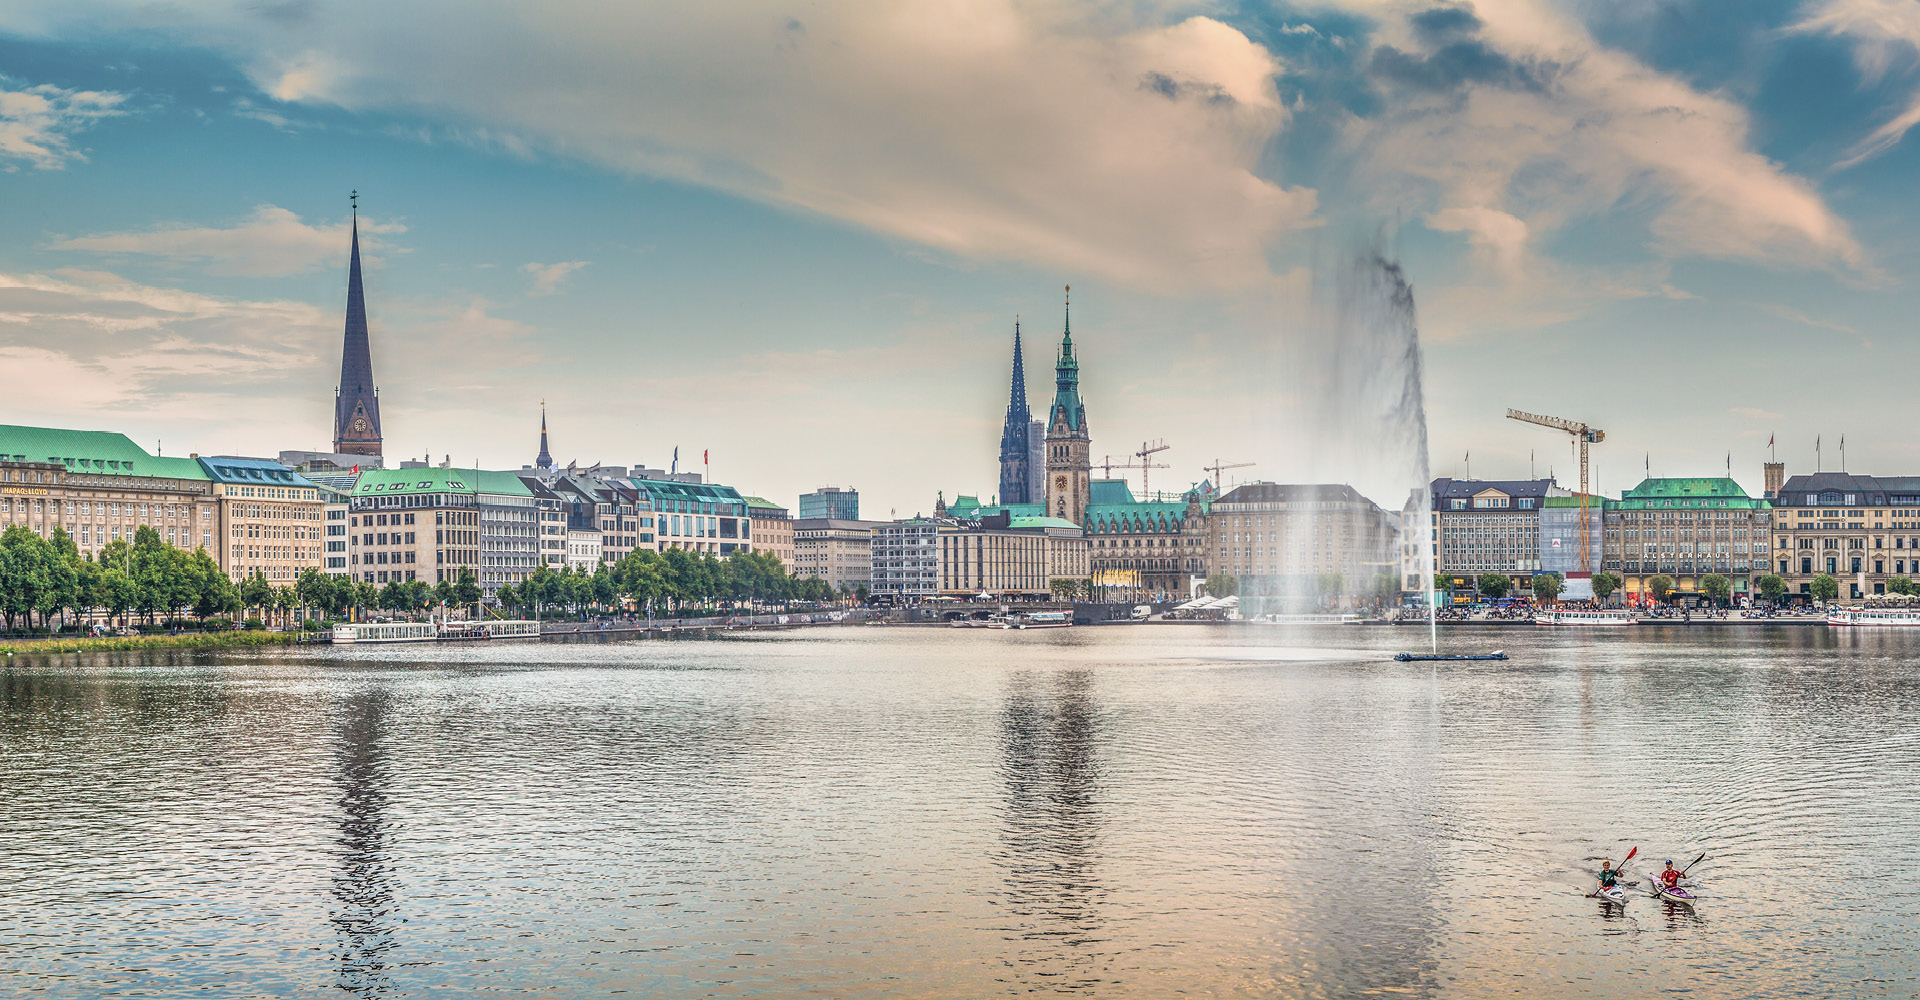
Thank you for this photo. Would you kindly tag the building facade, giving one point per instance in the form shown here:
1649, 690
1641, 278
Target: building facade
1293, 547
1860, 530
830, 502
356, 404
906, 559
102, 487
1488, 526
1005, 556
698, 517
837, 551
1686, 530
772, 530
1069, 445
414, 524
271, 518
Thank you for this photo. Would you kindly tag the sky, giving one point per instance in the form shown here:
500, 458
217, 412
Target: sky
795, 237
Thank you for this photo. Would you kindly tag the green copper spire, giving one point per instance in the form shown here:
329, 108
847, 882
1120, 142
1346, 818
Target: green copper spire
1067, 374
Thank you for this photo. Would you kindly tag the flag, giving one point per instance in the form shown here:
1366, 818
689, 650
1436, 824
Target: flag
356, 468
675, 467
704, 460
1769, 440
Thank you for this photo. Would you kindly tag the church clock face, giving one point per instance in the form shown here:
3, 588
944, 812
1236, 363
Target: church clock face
360, 425
1059, 482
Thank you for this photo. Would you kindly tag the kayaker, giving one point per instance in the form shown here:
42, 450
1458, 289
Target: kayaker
1670, 877
1608, 876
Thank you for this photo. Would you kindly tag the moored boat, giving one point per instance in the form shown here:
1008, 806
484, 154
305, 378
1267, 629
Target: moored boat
358, 632
1876, 617
1038, 619
1581, 617
1498, 654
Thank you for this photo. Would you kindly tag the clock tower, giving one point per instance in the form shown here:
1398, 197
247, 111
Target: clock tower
1069, 449
356, 404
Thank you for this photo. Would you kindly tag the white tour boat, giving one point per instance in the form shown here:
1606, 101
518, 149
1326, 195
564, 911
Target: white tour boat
1038, 619
1897, 617
1580, 617
356, 632
353, 633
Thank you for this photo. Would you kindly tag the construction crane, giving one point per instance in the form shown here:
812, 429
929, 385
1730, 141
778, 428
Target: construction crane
1586, 436
1145, 455
1218, 467
1107, 465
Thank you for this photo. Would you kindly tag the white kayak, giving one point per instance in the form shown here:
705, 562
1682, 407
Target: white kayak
1682, 893
1610, 894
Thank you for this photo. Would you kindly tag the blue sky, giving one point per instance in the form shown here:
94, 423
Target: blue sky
797, 235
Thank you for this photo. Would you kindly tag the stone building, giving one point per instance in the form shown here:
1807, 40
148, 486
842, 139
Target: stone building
772, 530
1686, 530
271, 518
431, 523
102, 487
1017, 473
1294, 547
1860, 530
835, 550
1006, 556
1488, 526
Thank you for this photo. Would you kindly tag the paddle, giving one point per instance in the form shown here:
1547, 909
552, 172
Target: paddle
1690, 864
1617, 869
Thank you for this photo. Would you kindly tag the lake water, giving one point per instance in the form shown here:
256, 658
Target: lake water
900, 812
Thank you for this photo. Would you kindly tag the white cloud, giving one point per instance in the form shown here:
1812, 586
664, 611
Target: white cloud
1544, 127
270, 242
1052, 133
1885, 33
37, 124
547, 277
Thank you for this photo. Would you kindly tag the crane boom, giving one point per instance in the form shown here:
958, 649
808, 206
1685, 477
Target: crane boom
1586, 435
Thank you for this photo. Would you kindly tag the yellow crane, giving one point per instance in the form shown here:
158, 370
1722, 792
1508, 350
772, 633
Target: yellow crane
1586, 436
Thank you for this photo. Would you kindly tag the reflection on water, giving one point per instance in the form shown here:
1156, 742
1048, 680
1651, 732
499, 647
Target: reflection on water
868, 813
1049, 847
365, 915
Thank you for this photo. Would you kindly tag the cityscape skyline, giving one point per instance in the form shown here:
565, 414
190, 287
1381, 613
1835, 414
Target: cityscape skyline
164, 278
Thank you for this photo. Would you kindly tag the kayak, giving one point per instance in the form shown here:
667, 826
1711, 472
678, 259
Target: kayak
1610, 894
1677, 894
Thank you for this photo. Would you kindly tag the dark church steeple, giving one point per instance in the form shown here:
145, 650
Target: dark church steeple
1016, 443
356, 406
545, 461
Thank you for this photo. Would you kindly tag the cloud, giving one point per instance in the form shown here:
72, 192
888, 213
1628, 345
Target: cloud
1074, 138
1510, 122
547, 277
1754, 412
1885, 33
271, 242
37, 123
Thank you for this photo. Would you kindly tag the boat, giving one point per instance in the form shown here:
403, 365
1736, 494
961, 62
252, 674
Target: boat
992, 622
1498, 654
1038, 619
1610, 894
1893, 617
1681, 893
358, 632
1588, 618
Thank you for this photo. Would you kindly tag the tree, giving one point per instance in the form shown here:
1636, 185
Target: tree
1494, 585
1604, 585
1546, 586
256, 592
1386, 587
1825, 587
1660, 586
466, 590
1717, 588
1772, 588
1900, 585
1222, 585
1330, 584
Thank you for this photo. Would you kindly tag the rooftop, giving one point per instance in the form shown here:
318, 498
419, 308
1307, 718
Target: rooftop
105, 453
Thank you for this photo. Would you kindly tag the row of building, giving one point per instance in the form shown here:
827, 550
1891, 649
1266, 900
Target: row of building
345, 513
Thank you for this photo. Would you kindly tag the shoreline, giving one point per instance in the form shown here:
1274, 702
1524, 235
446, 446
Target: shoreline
189, 640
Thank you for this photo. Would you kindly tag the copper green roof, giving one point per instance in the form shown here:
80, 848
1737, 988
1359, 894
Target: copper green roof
1023, 521
104, 453
1679, 493
762, 503
387, 482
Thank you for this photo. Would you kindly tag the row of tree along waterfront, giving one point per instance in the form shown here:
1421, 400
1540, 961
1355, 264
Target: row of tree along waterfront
1717, 589
48, 580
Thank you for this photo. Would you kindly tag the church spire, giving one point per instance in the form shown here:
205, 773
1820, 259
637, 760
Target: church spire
1016, 437
545, 461
356, 406
1066, 396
